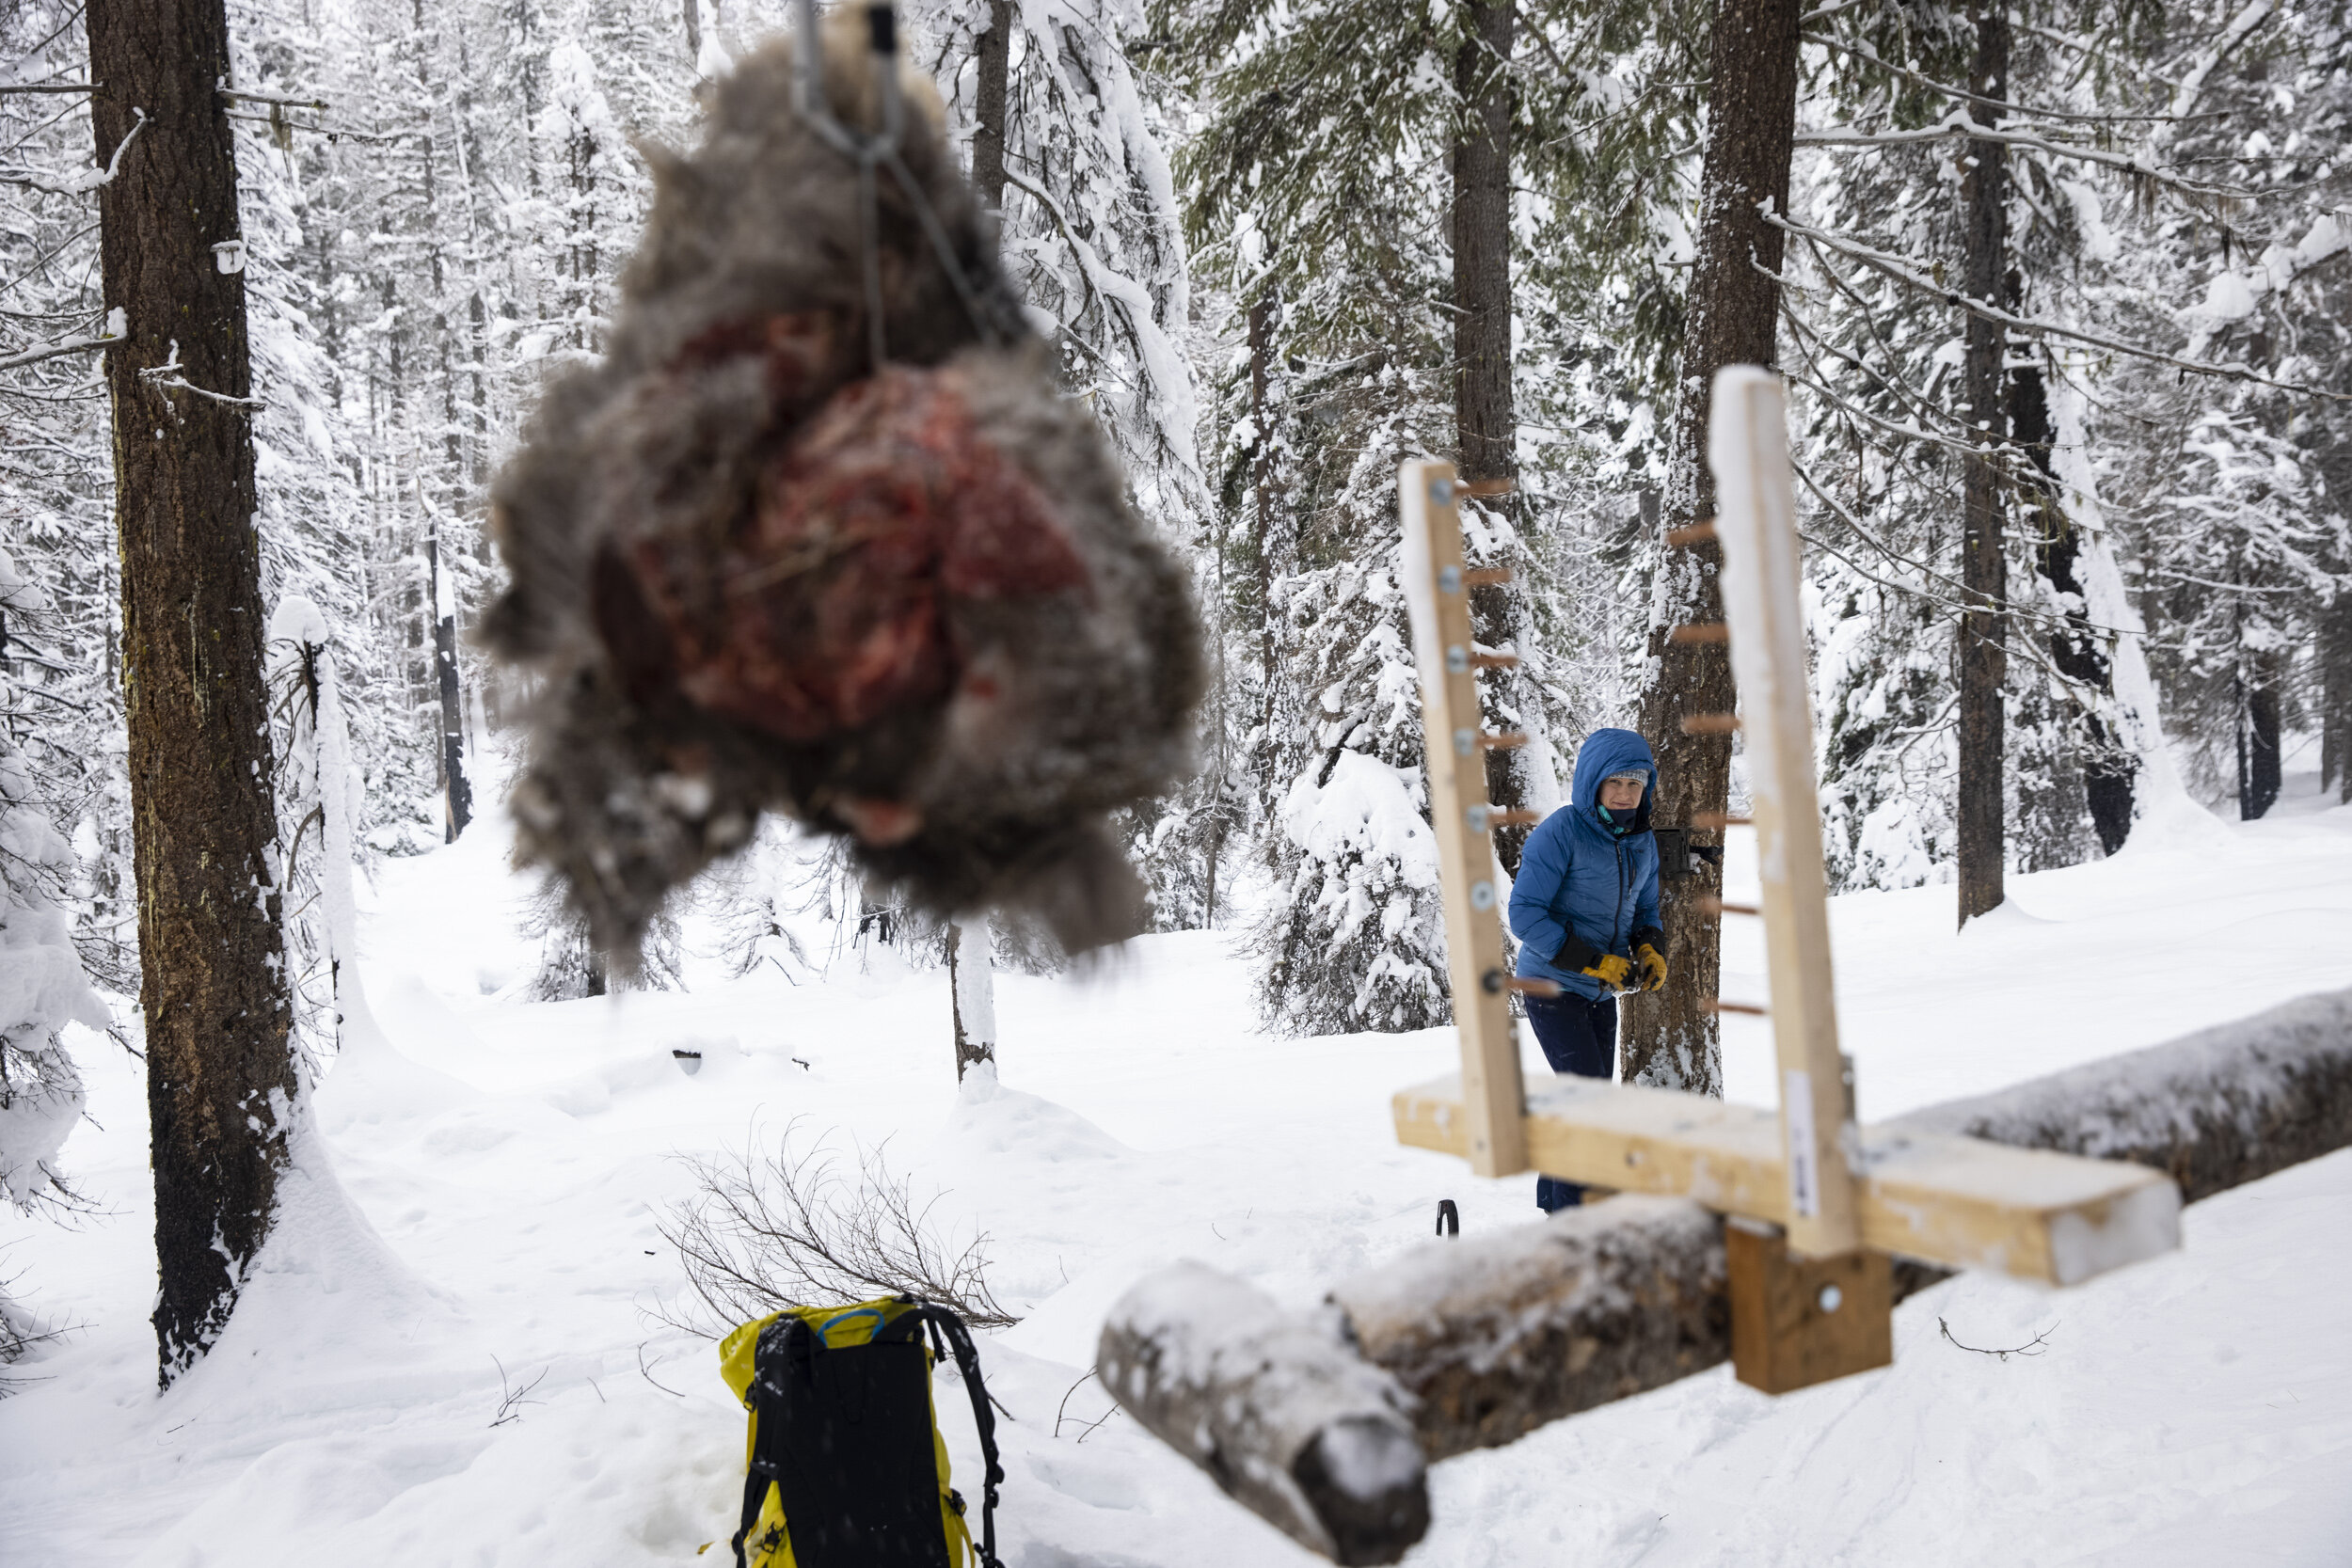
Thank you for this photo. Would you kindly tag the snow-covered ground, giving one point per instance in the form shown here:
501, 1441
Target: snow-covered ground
477, 1214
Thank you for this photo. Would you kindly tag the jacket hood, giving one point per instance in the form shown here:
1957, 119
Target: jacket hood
1605, 752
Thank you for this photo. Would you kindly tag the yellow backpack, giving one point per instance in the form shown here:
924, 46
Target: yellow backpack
845, 1465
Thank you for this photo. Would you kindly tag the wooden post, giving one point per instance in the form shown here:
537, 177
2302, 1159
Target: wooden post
1437, 598
1755, 522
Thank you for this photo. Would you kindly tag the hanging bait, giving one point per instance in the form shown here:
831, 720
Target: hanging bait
821, 534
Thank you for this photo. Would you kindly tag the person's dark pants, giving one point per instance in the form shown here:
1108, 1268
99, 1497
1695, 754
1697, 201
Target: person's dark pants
1578, 1034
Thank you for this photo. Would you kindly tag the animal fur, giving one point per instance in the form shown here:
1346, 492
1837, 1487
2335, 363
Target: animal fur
911, 606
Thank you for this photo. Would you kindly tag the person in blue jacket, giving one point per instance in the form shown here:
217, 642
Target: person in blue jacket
1585, 907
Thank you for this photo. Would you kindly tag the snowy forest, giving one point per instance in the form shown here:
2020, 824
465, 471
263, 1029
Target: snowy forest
2061, 290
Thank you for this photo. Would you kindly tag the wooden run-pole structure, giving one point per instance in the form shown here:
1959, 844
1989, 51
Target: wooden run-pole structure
1821, 1201
1765, 1236
1488, 1338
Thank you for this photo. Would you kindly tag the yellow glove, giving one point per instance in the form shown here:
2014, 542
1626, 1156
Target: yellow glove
1653, 966
1611, 968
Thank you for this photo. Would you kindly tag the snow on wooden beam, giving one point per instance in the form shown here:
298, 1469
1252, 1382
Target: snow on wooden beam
1494, 1336
1958, 1201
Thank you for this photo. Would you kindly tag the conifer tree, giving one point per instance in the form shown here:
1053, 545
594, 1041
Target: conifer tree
221, 1077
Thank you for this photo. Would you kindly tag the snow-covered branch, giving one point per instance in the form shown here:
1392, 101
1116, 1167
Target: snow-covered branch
1961, 126
2030, 110
89, 178
116, 331
167, 375
1902, 272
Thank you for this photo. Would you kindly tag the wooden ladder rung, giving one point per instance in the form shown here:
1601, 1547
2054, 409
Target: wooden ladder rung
1719, 819
1709, 724
1697, 533
1709, 904
1699, 631
1486, 577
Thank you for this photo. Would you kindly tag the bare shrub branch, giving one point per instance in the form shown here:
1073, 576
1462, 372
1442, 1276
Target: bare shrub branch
794, 1229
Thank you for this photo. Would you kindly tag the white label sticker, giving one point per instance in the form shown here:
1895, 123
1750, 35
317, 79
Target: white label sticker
1796, 1115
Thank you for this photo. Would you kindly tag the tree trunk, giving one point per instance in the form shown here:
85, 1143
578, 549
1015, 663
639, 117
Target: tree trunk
1670, 1036
2074, 648
2257, 740
1485, 418
988, 107
1984, 576
2335, 699
456, 794
220, 1072
972, 997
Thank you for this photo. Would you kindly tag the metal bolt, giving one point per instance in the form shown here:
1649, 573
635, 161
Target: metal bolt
1448, 579
1441, 492
1477, 816
1456, 659
1831, 1298
1482, 895
1463, 741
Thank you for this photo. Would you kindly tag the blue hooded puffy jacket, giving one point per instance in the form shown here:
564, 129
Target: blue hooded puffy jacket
1583, 888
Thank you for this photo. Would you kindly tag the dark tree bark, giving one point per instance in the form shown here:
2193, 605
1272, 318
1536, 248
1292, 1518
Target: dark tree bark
2075, 650
1984, 573
1670, 1036
2258, 741
2335, 699
1485, 419
220, 1073
457, 793
988, 107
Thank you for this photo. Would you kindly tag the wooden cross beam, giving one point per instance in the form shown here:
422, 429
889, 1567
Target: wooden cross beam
1819, 1201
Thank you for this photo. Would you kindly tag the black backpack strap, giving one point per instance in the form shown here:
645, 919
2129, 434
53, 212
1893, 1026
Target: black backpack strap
943, 1321
784, 1353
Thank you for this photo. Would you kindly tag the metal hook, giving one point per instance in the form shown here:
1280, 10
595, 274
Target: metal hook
867, 151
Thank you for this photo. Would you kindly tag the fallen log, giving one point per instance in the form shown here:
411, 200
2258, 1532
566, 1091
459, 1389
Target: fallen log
1276, 1407
2213, 1110
1488, 1338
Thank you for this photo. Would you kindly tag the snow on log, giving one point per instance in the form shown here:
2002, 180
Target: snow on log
2214, 1109
1275, 1407
1478, 1341
1497, 1334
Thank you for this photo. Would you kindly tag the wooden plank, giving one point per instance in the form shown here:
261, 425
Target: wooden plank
1798, 1320
1755, 523
1438, 599
1954, 1201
